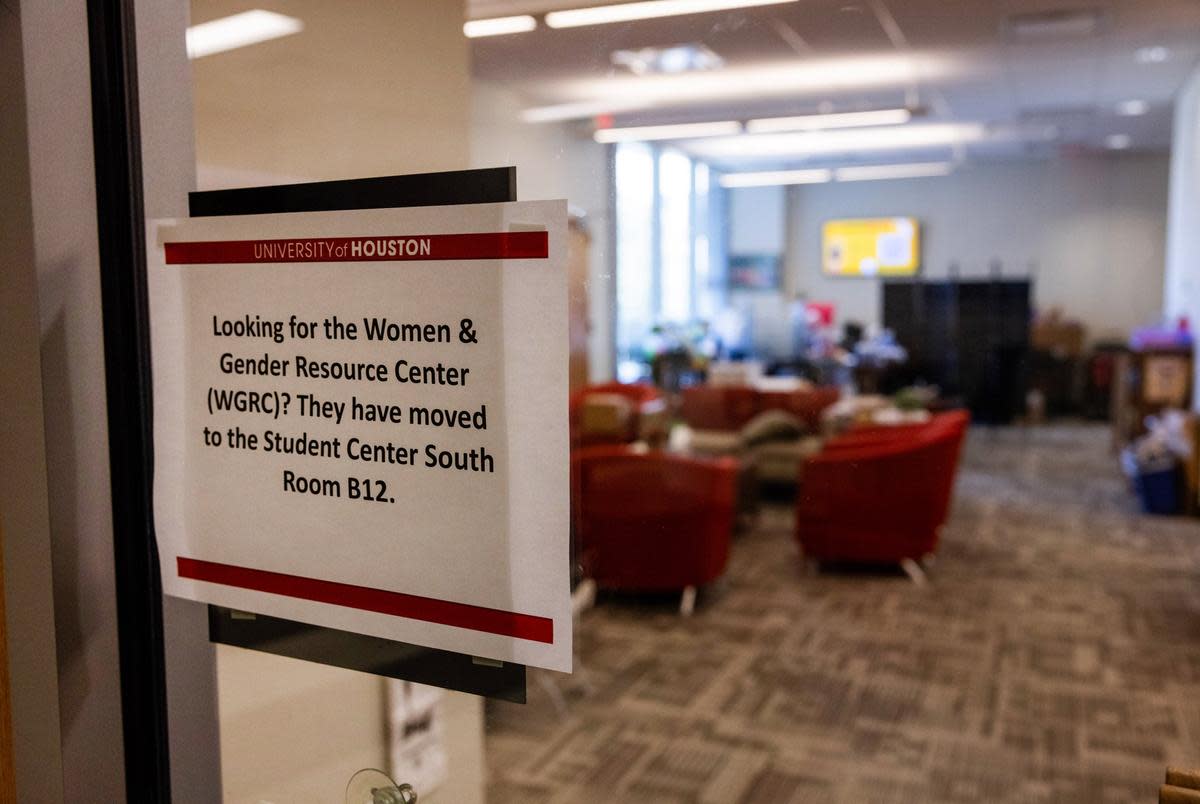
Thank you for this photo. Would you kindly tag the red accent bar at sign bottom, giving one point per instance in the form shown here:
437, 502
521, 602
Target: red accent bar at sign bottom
397, 604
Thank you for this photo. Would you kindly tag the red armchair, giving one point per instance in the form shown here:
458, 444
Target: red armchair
643, 416
804, 405
653, 521
883, 501
718, 415
637, 393
706, 407
867, 434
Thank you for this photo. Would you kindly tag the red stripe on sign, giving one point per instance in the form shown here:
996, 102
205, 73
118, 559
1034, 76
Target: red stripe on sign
397, 604
389, 248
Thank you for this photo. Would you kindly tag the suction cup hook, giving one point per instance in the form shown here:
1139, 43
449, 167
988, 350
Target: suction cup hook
370, 786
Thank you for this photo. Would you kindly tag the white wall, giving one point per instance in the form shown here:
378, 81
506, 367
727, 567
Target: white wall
1091, 229
293, 731
24, 496
1181, 292
499, 139
554, 161
758, 220
378, 91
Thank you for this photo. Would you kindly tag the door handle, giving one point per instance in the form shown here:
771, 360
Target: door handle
371, 786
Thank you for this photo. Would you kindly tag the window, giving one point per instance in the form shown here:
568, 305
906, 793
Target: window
634, 176
667, 245
675, 228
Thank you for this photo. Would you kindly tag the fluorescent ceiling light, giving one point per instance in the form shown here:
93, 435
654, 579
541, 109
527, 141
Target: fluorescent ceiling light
816, 143
1132, 108
239, 30
681, 131
648, 9
909, 171
811, 77
498, 26
1155, 54
579, 111
1118, 142
769, 178
816, 122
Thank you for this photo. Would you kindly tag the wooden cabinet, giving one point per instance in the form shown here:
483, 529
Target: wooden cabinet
1147, 381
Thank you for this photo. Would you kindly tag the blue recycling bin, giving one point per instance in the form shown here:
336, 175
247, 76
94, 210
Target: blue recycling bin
1159, 491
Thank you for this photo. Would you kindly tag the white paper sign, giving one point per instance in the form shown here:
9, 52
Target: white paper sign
360, 421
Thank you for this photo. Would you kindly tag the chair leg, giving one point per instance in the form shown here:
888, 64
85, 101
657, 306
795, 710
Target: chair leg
583, 598
914, 571
583, 678
687, 601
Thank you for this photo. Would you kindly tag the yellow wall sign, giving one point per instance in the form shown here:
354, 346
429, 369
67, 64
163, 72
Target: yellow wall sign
871, 247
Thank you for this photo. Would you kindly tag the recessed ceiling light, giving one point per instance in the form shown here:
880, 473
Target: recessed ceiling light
673, 59
816, 122
498, 26
681, 131
1118, 142
913, 170
1132, 108
1155, 54
771, 178
238, 30
648, 9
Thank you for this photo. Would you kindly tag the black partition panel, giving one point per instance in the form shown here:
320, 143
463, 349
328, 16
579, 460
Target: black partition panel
456, 671
382, 657
969, 337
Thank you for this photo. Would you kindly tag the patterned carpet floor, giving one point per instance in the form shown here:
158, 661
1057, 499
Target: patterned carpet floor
1053, 657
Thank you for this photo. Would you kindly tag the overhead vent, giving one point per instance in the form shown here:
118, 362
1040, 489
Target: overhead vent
1056, 114
1054, 26
1051, 124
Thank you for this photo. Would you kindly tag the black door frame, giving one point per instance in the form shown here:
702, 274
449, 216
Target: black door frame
120, 218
